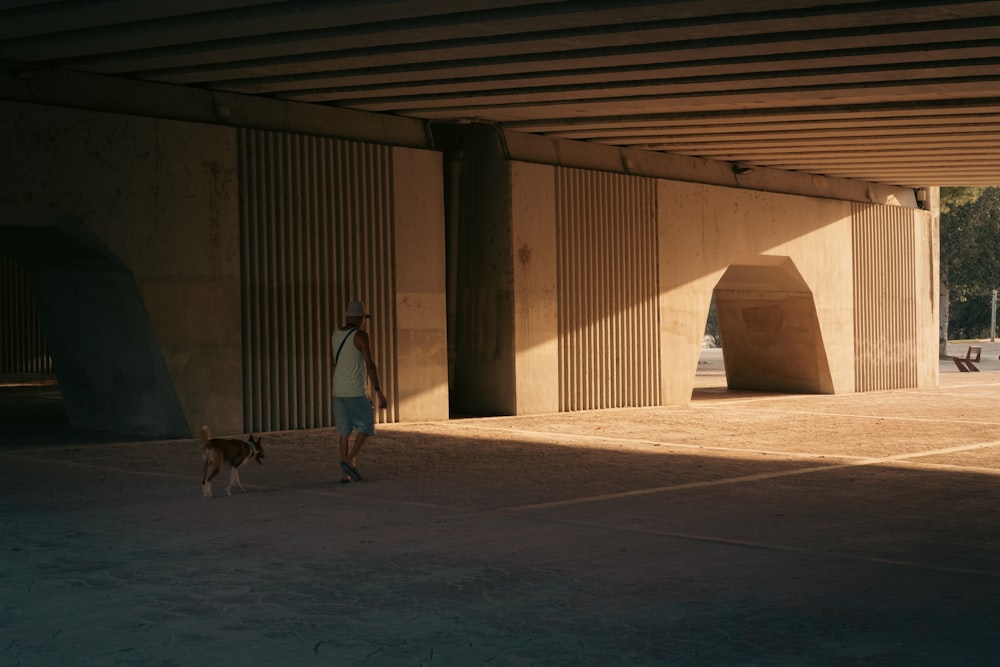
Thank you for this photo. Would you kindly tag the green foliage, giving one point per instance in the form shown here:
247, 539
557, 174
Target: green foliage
970, 241
712, 329
952, 197
970, 319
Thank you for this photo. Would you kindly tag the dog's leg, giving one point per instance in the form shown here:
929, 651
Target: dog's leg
234, 480
206, 486
213, 463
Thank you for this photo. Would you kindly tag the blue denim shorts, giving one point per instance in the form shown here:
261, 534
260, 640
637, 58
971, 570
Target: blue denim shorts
353, 413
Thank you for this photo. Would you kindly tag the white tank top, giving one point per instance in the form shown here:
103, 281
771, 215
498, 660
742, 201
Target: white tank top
350, 377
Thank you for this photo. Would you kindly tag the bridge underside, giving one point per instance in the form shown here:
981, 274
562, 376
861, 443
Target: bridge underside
539, 202
892, 92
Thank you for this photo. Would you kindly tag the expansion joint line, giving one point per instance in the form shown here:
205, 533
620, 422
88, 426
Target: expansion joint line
752, 478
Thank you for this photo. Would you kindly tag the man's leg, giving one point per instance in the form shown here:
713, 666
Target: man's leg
365, 427
359, 441
345, 439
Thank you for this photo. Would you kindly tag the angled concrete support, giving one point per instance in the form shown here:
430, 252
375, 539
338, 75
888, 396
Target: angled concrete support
770, 330
110, 369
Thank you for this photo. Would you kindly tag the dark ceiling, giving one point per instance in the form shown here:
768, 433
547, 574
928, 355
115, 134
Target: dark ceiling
895, 92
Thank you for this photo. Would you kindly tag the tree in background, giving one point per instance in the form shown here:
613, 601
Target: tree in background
970, 258
712, 329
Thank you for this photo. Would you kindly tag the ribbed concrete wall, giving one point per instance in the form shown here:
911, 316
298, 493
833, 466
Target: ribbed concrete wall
577, 288
316, 218
636, 262
885, 304
606, 229
22, 343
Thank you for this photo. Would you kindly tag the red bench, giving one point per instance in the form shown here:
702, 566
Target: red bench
969, 362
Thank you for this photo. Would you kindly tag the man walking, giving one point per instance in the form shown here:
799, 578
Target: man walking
353, 367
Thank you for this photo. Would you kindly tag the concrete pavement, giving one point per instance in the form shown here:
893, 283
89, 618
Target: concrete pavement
747, 529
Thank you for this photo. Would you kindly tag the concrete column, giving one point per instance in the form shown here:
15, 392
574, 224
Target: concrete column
536, 303
421, 319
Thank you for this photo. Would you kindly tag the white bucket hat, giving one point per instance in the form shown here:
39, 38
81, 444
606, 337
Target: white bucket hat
355, 309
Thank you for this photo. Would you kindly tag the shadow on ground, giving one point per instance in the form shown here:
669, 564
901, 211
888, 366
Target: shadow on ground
743, 530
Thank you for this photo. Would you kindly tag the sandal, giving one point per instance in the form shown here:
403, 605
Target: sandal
351, 471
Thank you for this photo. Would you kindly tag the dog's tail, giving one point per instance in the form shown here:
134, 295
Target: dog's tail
206, 435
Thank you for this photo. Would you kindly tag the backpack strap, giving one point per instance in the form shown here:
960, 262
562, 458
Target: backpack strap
336, 357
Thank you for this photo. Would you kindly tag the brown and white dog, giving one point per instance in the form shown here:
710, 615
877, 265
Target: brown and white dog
233, 451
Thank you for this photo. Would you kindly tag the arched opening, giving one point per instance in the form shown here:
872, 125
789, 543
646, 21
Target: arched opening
110, 370
711, 373
770, 333
30, 400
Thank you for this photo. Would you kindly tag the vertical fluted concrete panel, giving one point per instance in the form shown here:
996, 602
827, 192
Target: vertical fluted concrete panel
316, 231
885, 322
22, 343
608, 289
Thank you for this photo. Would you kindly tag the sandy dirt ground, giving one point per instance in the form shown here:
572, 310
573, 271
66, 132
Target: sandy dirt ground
744, 529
